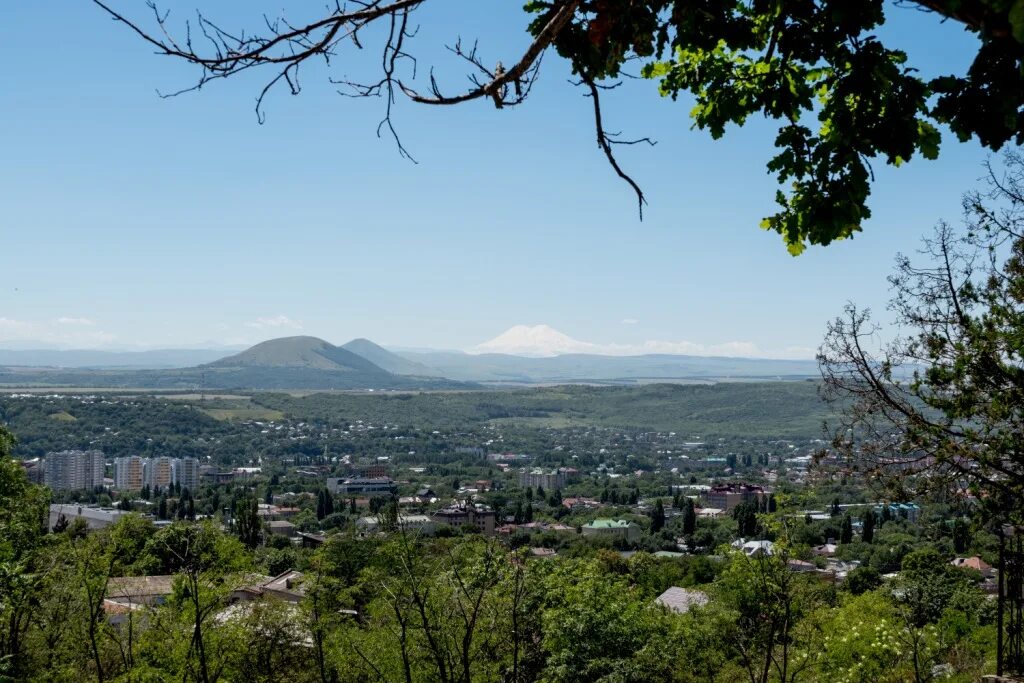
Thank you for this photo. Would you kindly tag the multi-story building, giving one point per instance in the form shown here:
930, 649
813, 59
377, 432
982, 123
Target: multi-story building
377, 471
74, 470
130, 473
480, 516
33, 470
548, 479
160, 473
379, 486
186, 473
728, 496
612, 528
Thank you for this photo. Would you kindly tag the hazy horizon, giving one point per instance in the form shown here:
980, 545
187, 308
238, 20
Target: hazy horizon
164, 249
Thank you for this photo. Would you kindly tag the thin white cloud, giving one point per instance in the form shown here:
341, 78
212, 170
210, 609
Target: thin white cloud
8, 325
57, 333
630, 321
75, 321
274, 323
544, 341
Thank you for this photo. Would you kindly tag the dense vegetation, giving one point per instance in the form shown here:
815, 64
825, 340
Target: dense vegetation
462, 607
779, 409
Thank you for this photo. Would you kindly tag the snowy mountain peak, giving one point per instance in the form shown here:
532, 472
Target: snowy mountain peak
534, 340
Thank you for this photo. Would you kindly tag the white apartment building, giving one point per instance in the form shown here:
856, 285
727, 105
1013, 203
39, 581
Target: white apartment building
186, 473
74, 470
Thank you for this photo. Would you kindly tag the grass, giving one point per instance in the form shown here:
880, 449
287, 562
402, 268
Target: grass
63, 416
264, 414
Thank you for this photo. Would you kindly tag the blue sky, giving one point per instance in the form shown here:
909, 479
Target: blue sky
130, 220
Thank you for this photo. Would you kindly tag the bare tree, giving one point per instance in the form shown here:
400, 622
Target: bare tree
943, 404
285, 48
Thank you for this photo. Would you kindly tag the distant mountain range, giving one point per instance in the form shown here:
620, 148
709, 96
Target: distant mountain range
288, 363
581, 367
89, 358
312, 363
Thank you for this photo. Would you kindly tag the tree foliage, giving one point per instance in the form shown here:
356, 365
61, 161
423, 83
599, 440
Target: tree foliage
840, 95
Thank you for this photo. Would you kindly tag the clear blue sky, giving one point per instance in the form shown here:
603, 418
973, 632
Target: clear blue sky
132, 220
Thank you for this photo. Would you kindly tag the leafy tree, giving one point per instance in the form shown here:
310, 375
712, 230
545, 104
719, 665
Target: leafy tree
961, 535
846, 531
867, 532
657, 517
689, 518
862, 579
23, 511
767, 601
248, 525
745, 515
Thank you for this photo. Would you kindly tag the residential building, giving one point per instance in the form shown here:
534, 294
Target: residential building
975, 563
74, 470
282, 528
33, 470
186, 473
130, 473
758, 548
907, 511
377, 471
379, 486
548, 479
160, 473
726, 497
480, 516
612, 528
421, 523
680, 600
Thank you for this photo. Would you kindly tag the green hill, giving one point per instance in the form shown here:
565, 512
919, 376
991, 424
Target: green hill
391, 362
299, 352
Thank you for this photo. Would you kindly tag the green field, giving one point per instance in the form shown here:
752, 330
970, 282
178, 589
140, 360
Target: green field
754, 409
264, 414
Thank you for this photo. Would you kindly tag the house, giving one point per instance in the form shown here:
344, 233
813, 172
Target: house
139, 590
282, 528
756, 548
975, 563
288, 586
377, 486
709, 513
311, 540
827, 550
612, 528
800, 567
542, 552
681, 600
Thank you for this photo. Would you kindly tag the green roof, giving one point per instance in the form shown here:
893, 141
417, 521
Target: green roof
608, 524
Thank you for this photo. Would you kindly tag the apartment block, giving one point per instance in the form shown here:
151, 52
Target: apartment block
74, 470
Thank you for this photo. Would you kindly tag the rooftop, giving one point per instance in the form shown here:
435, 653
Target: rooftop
608, 524
681, 599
